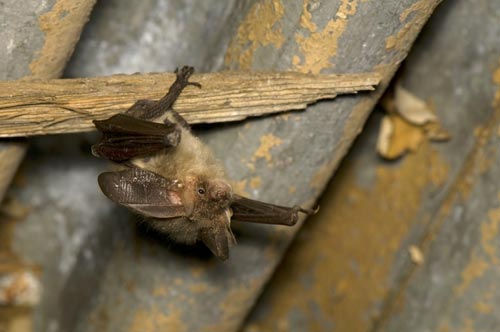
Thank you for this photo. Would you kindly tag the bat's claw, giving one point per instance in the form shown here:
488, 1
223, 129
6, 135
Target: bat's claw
183, 76
309, 212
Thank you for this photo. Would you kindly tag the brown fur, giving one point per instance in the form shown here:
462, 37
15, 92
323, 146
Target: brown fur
190, 158
194, 165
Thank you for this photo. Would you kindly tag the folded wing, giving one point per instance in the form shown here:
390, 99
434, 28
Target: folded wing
144, 192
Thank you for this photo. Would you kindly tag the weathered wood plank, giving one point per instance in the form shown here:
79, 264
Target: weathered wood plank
64, 106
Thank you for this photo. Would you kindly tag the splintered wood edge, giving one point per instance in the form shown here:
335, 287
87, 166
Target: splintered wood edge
39, 107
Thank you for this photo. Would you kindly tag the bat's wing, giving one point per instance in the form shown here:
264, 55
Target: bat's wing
245, 209
144, 192
125, 137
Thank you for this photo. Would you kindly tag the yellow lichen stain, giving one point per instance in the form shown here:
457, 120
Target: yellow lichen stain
487, 155
476, 268
154, 320
320, 178
231, 315
496, 81
255, 182
267, 142
99, 320
250, 166
197, 271
483, 308
444, 327
275, 242
341, 261
421, 11
318, 47
292, 190
482, 157
239, 187
160, 291
285, 116
489, 233
198, 288
62, 26
496, 76
130, 285
468, 325
485, 257
12, 212
306, 18
259, 28
477, 162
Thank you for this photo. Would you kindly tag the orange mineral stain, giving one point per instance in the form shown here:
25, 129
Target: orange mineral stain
261, 27
267, 142
62, 26
318, 46
413, 18
155, 320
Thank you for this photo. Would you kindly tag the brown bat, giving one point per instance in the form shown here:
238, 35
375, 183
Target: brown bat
173, 179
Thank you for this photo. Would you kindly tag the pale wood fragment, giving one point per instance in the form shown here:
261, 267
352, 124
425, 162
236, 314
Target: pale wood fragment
29, 107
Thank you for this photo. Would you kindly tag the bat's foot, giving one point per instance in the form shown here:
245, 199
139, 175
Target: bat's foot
183, 76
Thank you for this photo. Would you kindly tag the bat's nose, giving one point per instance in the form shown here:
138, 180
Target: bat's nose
221, 192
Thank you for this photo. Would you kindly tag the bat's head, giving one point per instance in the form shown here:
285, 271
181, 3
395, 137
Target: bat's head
207, 203
204, 198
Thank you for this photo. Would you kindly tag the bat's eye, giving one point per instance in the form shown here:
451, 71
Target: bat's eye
201, 191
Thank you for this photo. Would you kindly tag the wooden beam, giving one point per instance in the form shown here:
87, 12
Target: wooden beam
29, 107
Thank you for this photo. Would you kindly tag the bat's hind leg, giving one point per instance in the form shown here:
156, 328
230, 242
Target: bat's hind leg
150, 110
141, 109
182, 80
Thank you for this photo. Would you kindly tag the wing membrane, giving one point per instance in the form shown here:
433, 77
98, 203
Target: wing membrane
125, 137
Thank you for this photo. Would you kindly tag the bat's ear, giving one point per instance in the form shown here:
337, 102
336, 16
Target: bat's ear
144, 192
218, 239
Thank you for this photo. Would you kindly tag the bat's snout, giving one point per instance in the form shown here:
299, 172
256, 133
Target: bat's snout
221, 191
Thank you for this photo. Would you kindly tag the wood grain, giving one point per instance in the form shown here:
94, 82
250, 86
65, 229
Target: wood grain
29, 107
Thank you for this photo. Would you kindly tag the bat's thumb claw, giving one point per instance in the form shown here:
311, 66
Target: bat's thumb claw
95, 151
310, 212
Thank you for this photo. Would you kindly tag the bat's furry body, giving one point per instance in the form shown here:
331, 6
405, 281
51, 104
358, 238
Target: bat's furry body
191, 157
194, 165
